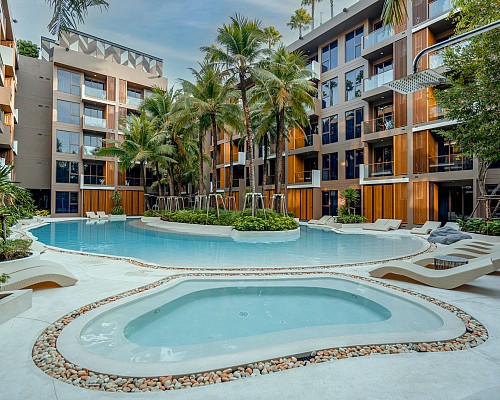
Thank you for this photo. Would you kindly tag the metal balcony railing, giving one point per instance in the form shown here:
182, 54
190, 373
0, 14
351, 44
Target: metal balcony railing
451, 162
378, 36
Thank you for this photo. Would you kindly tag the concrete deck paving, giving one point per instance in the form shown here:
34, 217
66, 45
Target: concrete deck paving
471, 374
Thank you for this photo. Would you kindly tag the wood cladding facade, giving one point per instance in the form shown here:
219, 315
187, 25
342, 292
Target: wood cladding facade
100, 200
386, 201
300, 202
400, 144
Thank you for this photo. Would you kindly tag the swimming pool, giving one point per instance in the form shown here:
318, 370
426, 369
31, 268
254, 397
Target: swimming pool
315, 247
196, 324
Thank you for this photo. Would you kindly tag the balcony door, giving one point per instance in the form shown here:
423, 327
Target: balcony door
384, 117
383, 161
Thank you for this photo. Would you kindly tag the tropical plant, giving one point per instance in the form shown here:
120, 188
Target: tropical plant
116, 203
4, 278
299, 20
27, 48
311, 3
13, 249
241, 48
283, 87
272, 36
142, 145
68, 13
351, 197
394, 12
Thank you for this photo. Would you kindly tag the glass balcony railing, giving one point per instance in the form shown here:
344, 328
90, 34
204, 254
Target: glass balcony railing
94, 92
439, 7
451, 162
315, 68
381, 169
303, 177
378, 80
379, 124
304, 141
94, 180
378, 36
90, 150
436, 112
93, 121
134, 101
436, 60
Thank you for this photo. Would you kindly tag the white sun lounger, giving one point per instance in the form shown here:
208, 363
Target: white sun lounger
91, 215
384, 225
428, 258
426, 228
453, 225
321, 221
102, 215
444, 279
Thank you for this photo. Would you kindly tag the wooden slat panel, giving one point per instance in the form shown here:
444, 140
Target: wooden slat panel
111, 88
377, 202
110, 173
420, 42
401, 201
420, 202
420, 152
388, 202
401, 154
110, 117
123, 91
420, 11
402, 26
400, 110
368, 202
400, 58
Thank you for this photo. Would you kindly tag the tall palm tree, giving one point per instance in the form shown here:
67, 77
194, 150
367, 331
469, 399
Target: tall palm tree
142, 145
299, 20
394, 12
272, 36
284, 88
68, 13
241, 48
311, 3
211, 99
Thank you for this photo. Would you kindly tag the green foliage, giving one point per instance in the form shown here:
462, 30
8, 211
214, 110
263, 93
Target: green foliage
13, 249
68, 13
351, 196
271, 223
351, 219
116, 202
481, 226
299, 20
27, 48
4, 278
42, 213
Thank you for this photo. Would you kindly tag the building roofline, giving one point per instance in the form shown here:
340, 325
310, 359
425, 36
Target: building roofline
107, 42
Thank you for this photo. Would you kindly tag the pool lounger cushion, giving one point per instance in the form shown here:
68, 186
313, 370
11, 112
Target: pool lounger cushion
427, 228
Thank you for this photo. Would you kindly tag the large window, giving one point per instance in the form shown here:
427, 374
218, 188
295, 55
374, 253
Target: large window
353, 159
382, 67
330, 130
329, 56
92, 140
330, 167
353, 121
91, 83
68, 112
329, 93
353, 44
94, 112
134, 93
330, 202
67, 142
66, 172
93, 174
66, 202
353, 83
68, 82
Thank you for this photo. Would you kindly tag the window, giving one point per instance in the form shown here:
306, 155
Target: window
94, 84
330, 202
92, 140
68, 142
382, 67
330, 129
66, 202
353, 121
384, 117
330, 167
353, 44
68, 82
353, 81
66, 172
93, 174
353, 159
329, 57
134, 93
94, 112
133, 177
329, 93
378, 25
68, 112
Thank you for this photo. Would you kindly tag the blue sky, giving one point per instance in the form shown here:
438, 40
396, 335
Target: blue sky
171, 29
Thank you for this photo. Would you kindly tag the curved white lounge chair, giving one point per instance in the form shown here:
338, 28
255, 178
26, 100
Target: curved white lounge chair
428, 258
426, 228
321, 221
384, 225
444, 279
102, 215
91, 215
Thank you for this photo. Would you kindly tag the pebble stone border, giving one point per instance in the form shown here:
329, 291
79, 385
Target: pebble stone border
46, 356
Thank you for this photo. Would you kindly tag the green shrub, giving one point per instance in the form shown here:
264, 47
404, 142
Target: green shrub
13, 249
272, 223
4, 278
351, 219
479, 225
116, 201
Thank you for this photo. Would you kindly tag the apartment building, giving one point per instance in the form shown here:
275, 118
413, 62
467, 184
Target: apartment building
8, 86
91, 85
367, 136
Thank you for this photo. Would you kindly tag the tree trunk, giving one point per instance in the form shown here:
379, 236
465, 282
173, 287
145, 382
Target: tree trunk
158, 179
214, 163
201, 139
279, 155
144, 186
171, 180
331, 8
231, 162
264, 167
312, 14
481, 182
497, 188
250, 140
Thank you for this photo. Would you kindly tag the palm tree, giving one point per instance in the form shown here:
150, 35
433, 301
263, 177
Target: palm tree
311, 3
272, 36
299, 20
241, 43
394, 12
142, 145
351, 196
211, 99
68, 13
284, 88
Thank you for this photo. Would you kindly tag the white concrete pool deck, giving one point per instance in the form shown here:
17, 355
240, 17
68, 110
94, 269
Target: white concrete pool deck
470, 374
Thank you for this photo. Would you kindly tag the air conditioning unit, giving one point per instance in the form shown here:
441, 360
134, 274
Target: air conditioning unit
2, 162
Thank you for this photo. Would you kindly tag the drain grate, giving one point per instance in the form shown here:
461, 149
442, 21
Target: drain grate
243, 314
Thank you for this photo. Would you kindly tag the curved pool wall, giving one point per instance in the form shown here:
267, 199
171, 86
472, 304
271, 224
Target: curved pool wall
101, 340
314, 247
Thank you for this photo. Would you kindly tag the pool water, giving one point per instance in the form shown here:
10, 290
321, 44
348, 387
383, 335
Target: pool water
314, 247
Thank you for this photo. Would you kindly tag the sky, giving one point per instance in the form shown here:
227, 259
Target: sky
170, 29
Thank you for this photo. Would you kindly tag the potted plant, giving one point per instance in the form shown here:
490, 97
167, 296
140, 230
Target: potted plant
117, 211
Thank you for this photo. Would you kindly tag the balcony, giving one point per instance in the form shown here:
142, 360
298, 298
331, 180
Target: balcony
315, 67
447, 163
436, 60
378, 43
95, 182
377, 36
373, 87
314, 111
90, 151
94, 122
381, 124
8, 54
381, 169
306, 179
134, 101
439, 7
305, 144
436, 112
15, 113
94, 93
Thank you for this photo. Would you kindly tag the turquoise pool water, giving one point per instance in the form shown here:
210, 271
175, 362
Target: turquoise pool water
314, 247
